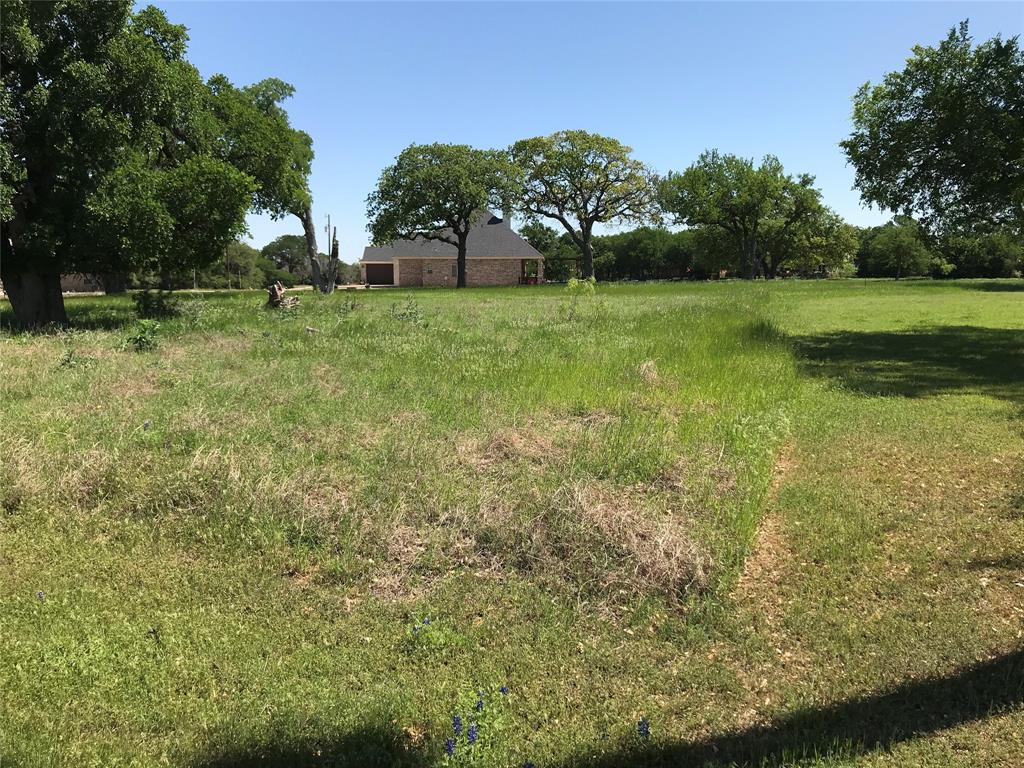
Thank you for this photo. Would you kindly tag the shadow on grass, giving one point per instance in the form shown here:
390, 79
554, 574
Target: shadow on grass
846, 729
370, 747
87, 314
920, 362
849, 728
1005, 285
1004, 562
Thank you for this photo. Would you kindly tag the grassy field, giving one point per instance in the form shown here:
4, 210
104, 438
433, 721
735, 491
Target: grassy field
779, 524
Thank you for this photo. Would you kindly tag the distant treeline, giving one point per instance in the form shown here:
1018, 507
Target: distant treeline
242, 266
900, 248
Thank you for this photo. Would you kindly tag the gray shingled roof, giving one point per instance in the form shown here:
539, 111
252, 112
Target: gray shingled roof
490, 238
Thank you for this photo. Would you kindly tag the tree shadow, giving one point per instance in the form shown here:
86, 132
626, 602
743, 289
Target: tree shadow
82, 315
1013, 562
920, 362
850, 728
992, 285
372, 747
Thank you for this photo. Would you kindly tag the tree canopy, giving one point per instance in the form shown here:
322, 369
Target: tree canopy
438, 192
288, 252
116, 156
581, 179
754, 205
943, 139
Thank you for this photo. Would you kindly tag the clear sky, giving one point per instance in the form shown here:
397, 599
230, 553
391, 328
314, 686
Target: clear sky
669, 79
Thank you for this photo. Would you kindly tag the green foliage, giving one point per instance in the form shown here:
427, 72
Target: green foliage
753, 205
580, 179
409, 311
645, 254
288, 254
896, 249
993, 255
143, 336
258, 139
437, 192
943, 138
70, 357
155, 305
116, 156
131, 177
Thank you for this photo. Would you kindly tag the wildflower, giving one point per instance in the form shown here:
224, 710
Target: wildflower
529, 764
503, 690
41, 595
457, 725
471, 734
426, 620
643, 728
449, 747
479, 705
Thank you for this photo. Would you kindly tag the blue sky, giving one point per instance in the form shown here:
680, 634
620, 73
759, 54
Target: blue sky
668, 79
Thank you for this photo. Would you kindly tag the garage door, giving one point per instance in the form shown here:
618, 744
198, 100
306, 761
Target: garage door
380, 274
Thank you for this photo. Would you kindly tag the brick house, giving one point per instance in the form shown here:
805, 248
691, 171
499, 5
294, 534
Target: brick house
495, 255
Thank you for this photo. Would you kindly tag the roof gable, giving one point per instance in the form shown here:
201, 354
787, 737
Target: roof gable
490, 238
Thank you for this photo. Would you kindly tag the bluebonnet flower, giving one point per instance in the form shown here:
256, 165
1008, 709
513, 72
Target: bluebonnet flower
449, 747
426, 620
503, 690
471, 733
528, 764
457, 725
479, 705
643, 728
415, 630
41, 595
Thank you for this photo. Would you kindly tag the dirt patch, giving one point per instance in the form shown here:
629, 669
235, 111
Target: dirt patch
771, 551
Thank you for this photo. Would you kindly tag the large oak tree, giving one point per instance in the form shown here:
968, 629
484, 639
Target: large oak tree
112, 163
732, 195
943, 139
116, 156
581, 179
438, 192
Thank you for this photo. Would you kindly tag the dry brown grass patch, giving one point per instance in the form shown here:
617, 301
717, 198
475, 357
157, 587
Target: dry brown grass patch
510, 445
660, 554
648, 372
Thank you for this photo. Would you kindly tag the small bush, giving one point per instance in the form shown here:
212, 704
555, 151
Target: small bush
150, 305
70, 358
143, 337
408, 311
578, 290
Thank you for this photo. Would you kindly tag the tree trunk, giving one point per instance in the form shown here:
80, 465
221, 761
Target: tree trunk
35, 298
750, 265
323, 276
588, 257
306, 217
460, 262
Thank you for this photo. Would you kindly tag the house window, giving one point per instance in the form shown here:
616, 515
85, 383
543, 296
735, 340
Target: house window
430, 271
455, 270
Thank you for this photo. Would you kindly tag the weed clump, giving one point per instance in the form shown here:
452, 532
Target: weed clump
409, 311
143, 337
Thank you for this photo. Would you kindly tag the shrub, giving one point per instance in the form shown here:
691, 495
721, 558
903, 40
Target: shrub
143, 337
151, 305
409, 311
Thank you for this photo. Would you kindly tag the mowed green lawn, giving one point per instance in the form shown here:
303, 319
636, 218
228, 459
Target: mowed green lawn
782, 524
